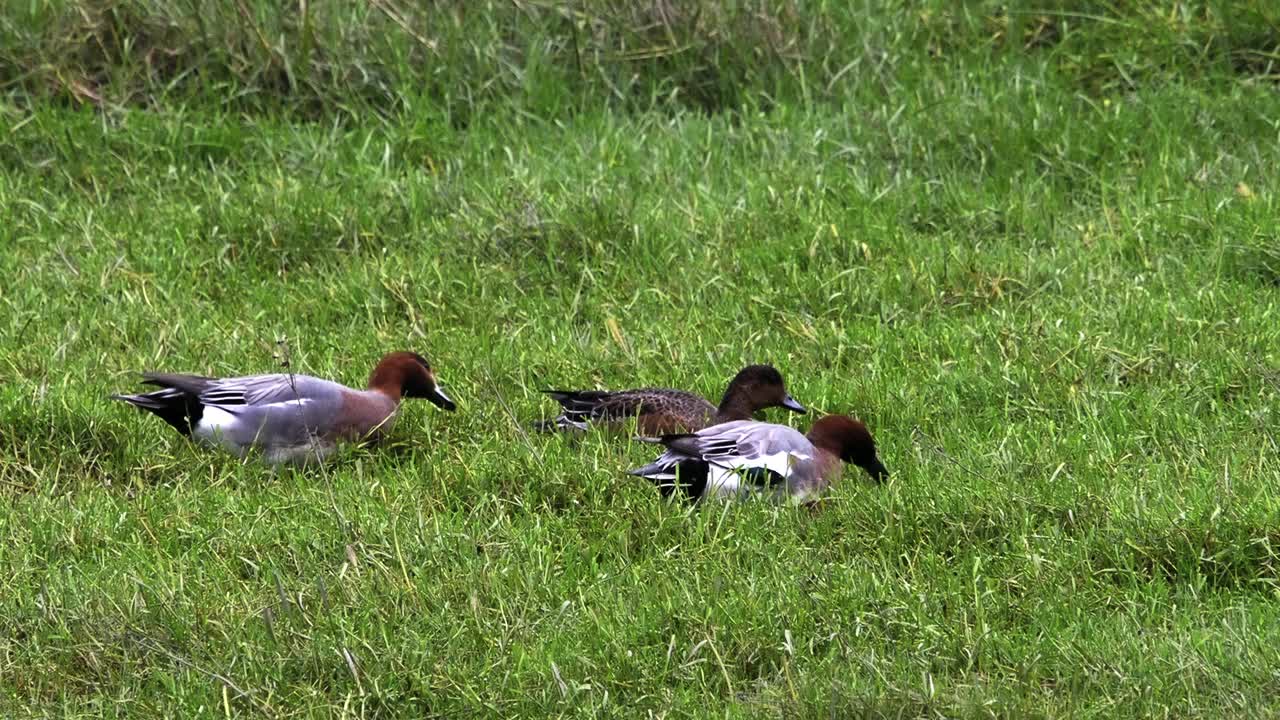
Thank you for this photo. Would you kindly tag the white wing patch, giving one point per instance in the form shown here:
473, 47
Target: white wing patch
215, 427
724, 482
724, 476
218, 424
743, 457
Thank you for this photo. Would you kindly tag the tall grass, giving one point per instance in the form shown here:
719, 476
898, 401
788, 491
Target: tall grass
462, 58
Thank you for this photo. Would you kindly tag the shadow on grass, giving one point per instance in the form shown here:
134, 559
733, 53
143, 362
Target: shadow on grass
1258, 263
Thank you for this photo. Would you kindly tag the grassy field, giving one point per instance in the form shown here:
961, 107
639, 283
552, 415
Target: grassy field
1038, 253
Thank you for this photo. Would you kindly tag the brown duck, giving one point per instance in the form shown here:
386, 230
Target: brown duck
659, 411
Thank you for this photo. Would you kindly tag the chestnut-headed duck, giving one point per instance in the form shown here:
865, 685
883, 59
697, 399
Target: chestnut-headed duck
289, 418
662, 410
745, 458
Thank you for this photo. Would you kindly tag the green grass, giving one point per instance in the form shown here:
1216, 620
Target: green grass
1046, 272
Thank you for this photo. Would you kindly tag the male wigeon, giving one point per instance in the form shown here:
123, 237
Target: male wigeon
663, 410
745, 458
289, 418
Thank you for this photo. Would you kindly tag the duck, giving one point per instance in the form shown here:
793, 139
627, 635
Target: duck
288, 418
746, 458
660, 411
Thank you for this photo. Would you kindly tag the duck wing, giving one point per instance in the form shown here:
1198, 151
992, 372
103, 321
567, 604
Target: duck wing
760, 453
249, 390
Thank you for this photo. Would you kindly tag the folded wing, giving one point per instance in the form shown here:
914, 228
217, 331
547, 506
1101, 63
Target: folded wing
730, 457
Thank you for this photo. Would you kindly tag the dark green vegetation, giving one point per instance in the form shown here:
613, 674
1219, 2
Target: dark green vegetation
1038, 253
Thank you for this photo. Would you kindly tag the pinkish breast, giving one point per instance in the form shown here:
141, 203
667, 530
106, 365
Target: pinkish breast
365, 415
829, 467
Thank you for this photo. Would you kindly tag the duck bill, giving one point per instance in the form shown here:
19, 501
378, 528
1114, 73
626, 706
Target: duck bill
876, 470
437, 397
790, 403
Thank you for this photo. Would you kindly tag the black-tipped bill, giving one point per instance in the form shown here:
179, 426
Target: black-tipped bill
790, 403
437, 397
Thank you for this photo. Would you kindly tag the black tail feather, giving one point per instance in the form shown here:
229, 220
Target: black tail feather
559, 423
570, 398
579, 408
687, 478
177, 408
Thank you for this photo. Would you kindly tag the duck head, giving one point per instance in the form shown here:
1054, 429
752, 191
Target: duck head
408, 375
756, 387
851, 441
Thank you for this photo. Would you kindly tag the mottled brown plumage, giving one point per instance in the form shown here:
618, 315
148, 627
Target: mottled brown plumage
660, 411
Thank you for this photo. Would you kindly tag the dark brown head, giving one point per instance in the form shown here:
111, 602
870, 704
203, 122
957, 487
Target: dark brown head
406, 374
755, 388
850, 440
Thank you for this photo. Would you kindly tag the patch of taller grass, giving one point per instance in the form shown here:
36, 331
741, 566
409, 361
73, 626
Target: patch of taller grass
457, 59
